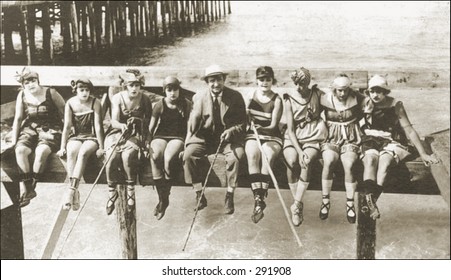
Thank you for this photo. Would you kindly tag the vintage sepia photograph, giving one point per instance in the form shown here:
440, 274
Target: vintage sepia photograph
225, 130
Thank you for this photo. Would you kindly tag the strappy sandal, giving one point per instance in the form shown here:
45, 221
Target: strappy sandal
110, 205
130, 198
326, 206
297, 213
350, 210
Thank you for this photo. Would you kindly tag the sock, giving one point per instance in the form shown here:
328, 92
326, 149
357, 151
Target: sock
350, 189
293, 187
326, 186
302, 187
197, 186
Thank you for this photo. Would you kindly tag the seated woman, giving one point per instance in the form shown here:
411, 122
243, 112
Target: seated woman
306, 130
343, 110
83, 113
131, 110
265, 111
168, 128
387, 130
36, 127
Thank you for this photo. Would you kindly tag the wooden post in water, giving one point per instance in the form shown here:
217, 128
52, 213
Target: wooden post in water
98, 22
31, 30
92, 25
121, 21
74, 23
8, 31
131, 16
207, 13
163, 18
212, 16
230, 10
84, 26
141, 19
188, 15
108, 27
224, 7
194, 9
127, 225
147, 21
366, 233
155, 18
24, 36
47, 35
219, 9
65, 27
182, 18
170, 13
216, 10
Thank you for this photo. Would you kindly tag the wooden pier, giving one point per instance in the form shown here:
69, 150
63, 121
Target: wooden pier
90, 26
412, 177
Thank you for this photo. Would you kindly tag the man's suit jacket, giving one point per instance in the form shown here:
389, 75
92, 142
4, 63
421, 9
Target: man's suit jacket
233, 116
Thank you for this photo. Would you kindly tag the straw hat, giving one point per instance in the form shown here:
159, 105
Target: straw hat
213, 70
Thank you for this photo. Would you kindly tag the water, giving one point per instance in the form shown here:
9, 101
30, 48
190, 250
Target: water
366, 36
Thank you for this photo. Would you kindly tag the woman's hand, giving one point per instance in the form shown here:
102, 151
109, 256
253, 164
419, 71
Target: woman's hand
303, 158
124, 127
100, 152
429, 159
61, 152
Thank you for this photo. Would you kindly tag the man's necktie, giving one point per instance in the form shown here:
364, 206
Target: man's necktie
217, 115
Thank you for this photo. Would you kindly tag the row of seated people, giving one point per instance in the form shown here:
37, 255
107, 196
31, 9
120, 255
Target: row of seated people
339, 124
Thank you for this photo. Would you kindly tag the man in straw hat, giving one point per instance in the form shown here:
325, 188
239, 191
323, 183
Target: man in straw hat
218, 116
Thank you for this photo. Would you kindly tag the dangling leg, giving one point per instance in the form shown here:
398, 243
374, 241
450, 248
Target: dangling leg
233, 155
297, 216
253, 159
129, 161
348, 159
293, 168
330, 158
194, 163
72, 198
26, 179
112, 170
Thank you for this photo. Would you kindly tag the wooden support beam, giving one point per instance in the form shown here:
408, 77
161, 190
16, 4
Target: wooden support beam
84, 26
31, 31
98, 18
9, 20
207, 13
25, 36
55, 233
147, 19
11, 233
74, 24
65, 27
230, 9
163, 18
127, 225
108, 25
170, 21
155, 18
47, 44
224, 7
132, 18
439, 143
92, 25
366, 233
